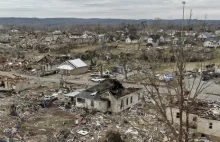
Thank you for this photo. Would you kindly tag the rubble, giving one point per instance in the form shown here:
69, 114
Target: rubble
45, 112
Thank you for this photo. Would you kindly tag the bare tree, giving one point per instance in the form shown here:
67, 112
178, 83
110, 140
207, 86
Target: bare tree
180, 93
124, 59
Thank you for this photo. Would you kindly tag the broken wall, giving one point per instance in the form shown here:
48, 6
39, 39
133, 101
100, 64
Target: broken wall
49, 67
209, 128
76, 71
125, 102
97, 105
27, 84
193, 118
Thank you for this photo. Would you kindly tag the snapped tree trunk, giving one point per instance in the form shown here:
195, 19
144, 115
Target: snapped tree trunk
101, 71
125, 71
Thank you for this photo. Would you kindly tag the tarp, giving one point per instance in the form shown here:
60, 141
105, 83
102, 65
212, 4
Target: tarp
170, 76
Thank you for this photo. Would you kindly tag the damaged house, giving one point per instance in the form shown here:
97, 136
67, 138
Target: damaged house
47, 62
73, 67
108, 95
204, 119
17, 83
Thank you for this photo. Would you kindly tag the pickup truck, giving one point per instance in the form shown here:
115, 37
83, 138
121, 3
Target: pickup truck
97, 79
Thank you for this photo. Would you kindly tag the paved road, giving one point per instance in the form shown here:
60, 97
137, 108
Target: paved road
46, 79
212, 92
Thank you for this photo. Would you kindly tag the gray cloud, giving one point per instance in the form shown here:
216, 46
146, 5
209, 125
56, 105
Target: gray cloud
125, 9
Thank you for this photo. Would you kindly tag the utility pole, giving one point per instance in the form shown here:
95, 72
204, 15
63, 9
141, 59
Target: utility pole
183, 22
205, 23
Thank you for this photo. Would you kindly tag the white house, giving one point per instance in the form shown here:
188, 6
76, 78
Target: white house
75, 36
217, 32
162, 39
150, 40
134, 41
205, 35
15, 31
175, 41
108, 95
204, 120
190, 33
171, 32
210, 44
128, 40
88, 35
57, 32
73, 67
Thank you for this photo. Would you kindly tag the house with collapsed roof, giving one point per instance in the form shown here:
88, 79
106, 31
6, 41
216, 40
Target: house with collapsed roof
17, 83
204, 119
107, 96
73, 67
47, 62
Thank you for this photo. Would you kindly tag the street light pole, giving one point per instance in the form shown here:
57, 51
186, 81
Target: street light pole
183, 21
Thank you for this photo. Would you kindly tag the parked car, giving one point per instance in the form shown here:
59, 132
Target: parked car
97, 79
206, 77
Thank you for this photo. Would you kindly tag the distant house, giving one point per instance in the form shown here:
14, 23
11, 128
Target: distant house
57, 33
212, 42
50, 39
128, 40
204, 36
171, 32
150, 40
4, 38
134, 41
48, 62
101, 37
85, 36
143, 39
73, 67
15, 31
75, 36
217, 32
88, 35
190, 33
168, 40
176, 41
108, 95
2, 27
208, 44
162, 39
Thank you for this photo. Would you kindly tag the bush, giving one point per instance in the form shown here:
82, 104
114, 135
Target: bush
113, 136
3, 59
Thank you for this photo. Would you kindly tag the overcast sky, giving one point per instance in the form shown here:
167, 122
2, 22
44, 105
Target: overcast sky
123, 9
